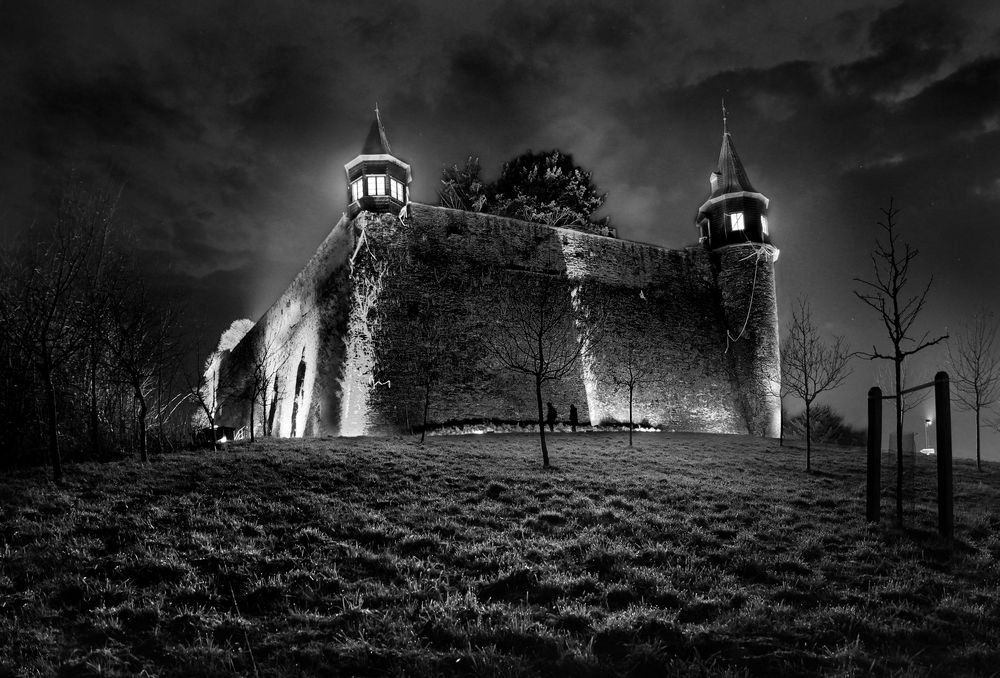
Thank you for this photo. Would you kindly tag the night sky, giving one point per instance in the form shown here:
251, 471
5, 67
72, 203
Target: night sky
230, 123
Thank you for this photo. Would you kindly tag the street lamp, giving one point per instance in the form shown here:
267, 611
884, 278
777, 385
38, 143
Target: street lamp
927, 448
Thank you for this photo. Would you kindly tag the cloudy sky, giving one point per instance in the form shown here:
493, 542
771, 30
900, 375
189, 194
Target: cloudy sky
230, 122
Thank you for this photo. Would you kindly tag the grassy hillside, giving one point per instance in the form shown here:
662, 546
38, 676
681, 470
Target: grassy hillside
685, 554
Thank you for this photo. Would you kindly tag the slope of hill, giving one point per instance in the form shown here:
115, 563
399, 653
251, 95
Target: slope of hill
685, 554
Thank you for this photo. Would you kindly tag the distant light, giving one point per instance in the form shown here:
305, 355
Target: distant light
223, 439
928, 451
927, 422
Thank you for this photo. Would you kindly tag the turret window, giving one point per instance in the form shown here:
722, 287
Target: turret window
763, 224
376, 185
356, 190
396, 189
735, 221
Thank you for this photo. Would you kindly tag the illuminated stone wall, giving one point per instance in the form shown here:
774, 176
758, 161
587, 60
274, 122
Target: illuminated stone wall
356, 314
306, 326
745, 280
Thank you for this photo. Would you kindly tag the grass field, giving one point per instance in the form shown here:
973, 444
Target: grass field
685, 555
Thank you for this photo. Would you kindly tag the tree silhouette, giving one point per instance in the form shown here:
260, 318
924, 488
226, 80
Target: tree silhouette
138, 332
535, 332
887, 293
44, 305
809, 366
462, 188
975, 360
635, 365
547, 188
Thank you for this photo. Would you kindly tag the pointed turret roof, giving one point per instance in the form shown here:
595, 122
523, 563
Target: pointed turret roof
732, 178
376, 142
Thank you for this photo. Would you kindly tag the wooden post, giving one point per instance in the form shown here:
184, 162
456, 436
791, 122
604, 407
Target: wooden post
874, 454
942, 407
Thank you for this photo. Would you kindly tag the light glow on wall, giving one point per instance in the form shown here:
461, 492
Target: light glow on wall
360, 363
575, 255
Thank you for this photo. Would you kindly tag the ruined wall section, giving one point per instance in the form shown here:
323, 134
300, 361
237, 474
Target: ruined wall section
444, 263
303, 334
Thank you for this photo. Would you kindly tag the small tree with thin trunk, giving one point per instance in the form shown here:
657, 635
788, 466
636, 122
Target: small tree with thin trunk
138, 332
203, 394
536, 334
888, 294
430, 344
975, 361
635, 366
810, 366
266, 361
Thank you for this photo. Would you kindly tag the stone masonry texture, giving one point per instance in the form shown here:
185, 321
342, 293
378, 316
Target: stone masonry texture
388, 305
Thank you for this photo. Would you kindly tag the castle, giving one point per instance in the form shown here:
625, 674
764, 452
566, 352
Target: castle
338, 352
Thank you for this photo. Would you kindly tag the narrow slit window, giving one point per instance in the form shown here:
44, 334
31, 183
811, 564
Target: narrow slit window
763, 224
735, 221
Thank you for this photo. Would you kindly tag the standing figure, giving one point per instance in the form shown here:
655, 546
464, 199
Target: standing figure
572, 417
550, 416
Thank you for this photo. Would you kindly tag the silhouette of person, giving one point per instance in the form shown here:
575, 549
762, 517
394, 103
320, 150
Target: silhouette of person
550, 416
572, 417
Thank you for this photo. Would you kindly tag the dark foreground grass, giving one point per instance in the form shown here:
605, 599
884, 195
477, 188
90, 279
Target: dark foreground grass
686, 555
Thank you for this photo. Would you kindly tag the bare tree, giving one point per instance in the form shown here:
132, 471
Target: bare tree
462, 188
431, 346
266, 361
898, 310
202, 392
885, 379
139, 331
810, 366
975, 360
634, 366
536, 333
45, 298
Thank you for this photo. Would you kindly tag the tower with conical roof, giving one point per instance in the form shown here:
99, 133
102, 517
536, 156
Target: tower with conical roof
377, 180
735, 213
732, 225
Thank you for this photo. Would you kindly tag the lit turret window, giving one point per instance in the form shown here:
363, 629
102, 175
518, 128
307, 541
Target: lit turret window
396, 189
376, 185
735, 221
356, 190
763, 224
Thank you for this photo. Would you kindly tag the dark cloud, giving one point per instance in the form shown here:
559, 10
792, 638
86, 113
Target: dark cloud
961, 104
911, 41
113, 108
557, 26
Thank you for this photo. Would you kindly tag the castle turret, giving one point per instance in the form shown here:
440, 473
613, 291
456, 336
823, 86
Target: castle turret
735, 213
377, 181
733, 227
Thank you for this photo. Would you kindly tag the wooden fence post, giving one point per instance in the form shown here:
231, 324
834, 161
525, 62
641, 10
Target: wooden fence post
874, 454
942, 407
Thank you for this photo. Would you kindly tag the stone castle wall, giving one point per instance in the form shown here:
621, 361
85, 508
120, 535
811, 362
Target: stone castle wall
357, 325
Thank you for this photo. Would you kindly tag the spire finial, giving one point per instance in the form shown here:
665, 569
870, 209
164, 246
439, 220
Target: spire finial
725, 128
